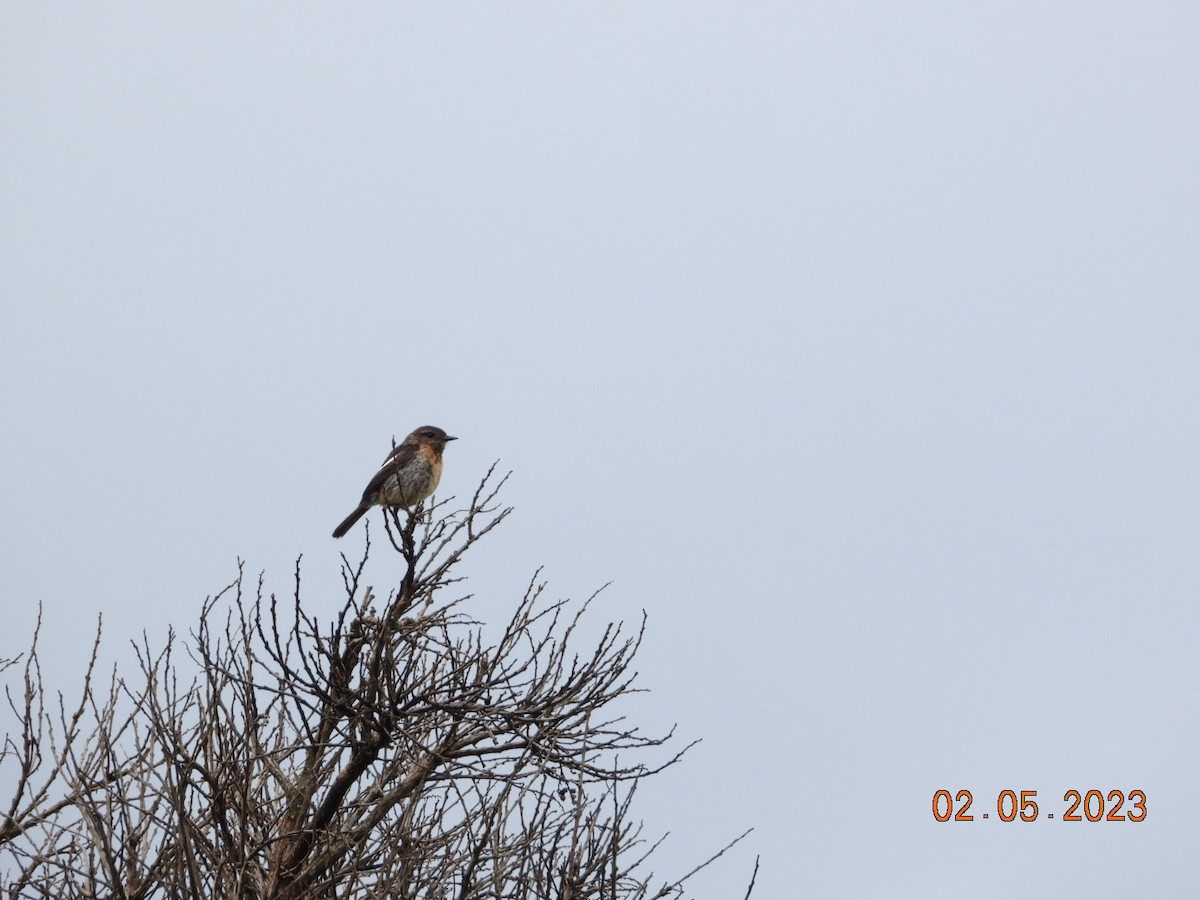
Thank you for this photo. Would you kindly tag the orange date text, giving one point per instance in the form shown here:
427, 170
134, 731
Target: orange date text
1078, 806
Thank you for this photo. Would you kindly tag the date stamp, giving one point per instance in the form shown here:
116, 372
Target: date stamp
1089, 806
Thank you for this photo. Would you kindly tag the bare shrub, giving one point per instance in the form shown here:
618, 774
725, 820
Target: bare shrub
394, 751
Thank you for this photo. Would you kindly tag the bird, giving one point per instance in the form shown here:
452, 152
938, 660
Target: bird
409, 474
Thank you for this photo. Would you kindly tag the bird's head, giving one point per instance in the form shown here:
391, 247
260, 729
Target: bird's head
431, 435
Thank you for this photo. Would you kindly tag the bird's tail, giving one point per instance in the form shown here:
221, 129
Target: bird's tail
348, 522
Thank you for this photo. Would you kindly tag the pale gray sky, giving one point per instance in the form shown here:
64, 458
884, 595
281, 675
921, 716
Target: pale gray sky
855, 343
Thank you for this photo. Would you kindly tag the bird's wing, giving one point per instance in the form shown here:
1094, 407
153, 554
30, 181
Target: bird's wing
397, 459
400, 456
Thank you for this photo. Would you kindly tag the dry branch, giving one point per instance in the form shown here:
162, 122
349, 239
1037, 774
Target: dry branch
395, 751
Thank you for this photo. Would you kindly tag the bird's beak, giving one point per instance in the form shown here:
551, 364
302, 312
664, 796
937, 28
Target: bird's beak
451, 437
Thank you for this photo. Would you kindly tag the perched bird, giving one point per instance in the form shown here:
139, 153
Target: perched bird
410, 473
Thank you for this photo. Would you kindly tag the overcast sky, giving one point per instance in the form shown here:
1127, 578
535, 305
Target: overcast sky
857, 343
